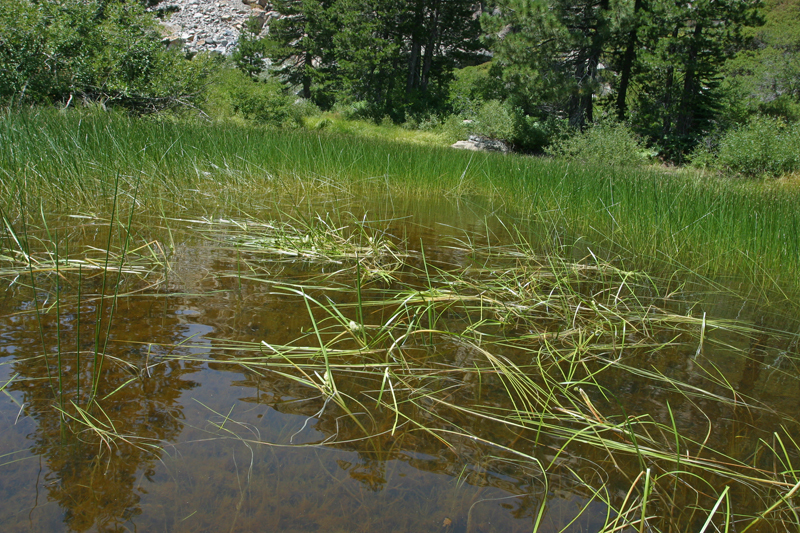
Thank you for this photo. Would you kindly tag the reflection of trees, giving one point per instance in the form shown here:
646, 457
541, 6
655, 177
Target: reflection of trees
93, 472
490, 472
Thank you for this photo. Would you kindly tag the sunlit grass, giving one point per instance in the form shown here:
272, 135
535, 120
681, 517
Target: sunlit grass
645, 217
533, 344
370, 131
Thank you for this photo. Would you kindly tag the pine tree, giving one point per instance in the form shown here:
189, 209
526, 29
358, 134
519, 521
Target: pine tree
550, 52
400, 55
679, 65
300, 44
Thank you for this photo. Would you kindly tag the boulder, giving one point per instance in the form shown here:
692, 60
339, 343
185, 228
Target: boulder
482, 144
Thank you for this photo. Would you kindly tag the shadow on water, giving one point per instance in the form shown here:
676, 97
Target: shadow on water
180, 439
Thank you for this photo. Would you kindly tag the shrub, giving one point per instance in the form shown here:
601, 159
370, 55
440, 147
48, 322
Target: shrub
606, 142
763, 146
454, 128
494, 120
472, 86
261, 101
532, 134
108, 51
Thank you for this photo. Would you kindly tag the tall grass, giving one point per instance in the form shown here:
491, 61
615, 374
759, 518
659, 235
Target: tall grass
711, 226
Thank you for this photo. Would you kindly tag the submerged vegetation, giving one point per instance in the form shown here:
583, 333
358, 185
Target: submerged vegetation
579, 377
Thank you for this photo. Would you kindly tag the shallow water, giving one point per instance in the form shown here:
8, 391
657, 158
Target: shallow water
200, 444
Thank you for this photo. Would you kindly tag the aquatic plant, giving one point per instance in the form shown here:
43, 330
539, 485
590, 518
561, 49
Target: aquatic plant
647, 217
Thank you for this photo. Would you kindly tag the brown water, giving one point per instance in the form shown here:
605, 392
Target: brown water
205, 445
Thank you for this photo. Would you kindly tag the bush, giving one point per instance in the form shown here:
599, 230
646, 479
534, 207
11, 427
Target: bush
264, 102
454, 129
472, 86
107, 51
493, 120
532, 134
606, 143
763, 146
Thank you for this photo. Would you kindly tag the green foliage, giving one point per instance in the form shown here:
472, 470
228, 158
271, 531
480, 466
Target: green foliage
764, 78
471, 86
264, 102
549, 52
301, 48
532, 134
107, 51
681, 53
764, 146
21, 44
605, 143
251, 52
397, 57
494, 120
661, 61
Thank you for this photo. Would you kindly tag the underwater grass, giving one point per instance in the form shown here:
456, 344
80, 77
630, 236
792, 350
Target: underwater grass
534, 344
647, 217
457, 350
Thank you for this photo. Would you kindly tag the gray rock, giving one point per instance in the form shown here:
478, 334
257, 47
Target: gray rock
482, 144
211, 25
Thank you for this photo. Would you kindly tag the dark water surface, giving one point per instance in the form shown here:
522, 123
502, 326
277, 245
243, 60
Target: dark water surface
199, 444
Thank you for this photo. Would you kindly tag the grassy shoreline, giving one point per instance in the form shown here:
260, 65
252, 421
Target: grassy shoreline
714, 227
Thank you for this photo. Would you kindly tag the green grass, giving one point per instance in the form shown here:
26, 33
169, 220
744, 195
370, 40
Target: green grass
514, 343
386, 131
646, 217
497, 340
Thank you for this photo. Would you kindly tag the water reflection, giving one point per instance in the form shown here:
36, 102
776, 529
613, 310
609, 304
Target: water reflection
95, 458
200, 444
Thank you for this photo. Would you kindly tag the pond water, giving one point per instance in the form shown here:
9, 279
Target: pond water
205, 418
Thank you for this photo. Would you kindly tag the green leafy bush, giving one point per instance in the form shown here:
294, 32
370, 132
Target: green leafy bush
763, 146
606, 143
472, 86
264, 102
97, 50
532, 134
494, 120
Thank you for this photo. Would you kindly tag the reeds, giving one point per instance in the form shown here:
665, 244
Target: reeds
533, 346
487, 337
711, 226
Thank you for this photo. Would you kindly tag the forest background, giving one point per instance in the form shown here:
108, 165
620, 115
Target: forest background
712, 83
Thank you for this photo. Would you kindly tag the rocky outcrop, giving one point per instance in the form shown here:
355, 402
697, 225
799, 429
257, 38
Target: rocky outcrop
482, 144
210, 25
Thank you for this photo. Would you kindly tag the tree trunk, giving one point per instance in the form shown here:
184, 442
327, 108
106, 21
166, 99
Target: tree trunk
688, 102
582, 106
430, 46
413, 77
627, 64
307, 76
666, 125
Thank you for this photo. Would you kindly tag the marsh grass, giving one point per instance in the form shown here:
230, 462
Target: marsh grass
533, 346
63, 282
643, 216
537, 345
